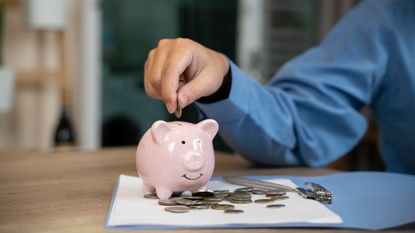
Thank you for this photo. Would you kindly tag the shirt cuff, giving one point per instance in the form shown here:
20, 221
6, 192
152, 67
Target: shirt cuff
237, 104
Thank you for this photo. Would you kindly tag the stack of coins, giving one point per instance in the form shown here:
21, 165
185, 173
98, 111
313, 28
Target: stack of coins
221, 200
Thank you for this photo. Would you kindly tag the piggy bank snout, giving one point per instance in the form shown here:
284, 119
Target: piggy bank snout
193, 161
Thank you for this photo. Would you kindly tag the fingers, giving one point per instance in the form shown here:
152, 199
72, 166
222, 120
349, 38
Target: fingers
183, 70
150, 90
176, 64
162, 70
154, 66
195, 89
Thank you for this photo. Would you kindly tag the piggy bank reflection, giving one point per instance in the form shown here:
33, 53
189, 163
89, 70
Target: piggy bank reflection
176, 156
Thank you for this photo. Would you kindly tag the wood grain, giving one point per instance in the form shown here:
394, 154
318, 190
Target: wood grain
71, 191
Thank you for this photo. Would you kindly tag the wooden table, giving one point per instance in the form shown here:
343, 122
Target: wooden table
71, 191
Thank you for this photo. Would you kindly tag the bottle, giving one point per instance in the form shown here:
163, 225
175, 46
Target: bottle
64, 133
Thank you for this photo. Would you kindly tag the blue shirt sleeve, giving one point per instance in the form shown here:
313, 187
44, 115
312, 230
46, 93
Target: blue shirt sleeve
309, 113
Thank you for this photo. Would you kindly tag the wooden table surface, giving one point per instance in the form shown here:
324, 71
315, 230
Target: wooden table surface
71, 191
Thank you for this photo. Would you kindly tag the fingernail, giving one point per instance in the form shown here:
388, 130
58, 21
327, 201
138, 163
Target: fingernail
169, 107
179, 99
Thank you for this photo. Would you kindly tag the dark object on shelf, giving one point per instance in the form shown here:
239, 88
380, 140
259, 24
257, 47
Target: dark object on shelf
64, 133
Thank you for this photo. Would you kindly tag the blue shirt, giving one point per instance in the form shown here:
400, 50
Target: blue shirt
309, 113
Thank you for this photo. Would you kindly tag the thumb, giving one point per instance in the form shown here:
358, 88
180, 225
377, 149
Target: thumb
202, 85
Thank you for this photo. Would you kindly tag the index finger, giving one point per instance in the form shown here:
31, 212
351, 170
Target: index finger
176, 64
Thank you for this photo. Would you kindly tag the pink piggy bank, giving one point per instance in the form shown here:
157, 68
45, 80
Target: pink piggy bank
176, 156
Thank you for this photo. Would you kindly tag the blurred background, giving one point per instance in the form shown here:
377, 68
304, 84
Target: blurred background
71, 71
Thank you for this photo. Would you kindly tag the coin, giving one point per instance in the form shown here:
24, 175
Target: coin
221, 191
167, 202
204, 193
195, 203
244, 190
233, 211
275, 206
276, 192
222, 207
193, 198
238, 198
210, 202
213, 199
240, 201
259, 192
182, 201
264, 201
278, 198
150, 196
177, 209
205, 199
240, 195
178, 112
199, 207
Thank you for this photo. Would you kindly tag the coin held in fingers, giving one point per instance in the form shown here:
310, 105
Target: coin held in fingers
178, 112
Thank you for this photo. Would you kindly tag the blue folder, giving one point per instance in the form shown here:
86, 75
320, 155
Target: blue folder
364, 200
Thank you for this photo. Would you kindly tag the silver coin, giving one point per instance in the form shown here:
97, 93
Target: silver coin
278, 198
233, 211
259, 191
167, 202
213, 199
204, 193
199, 207
193, 198
275, 206
240, 201
222, 207
238, 198
177, 209
240, 195
224, 191
195, 203
244, 190
264, 201
276, 192
221, 196
182, 201
150, 196
210, 202
178, 112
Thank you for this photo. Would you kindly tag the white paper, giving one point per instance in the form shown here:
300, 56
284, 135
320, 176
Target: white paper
130, 208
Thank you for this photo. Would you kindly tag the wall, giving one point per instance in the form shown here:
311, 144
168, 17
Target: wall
36, 108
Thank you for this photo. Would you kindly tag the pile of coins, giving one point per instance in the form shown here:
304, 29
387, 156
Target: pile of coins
221, 200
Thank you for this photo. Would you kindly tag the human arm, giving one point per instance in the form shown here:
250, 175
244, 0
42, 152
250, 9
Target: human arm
309, 113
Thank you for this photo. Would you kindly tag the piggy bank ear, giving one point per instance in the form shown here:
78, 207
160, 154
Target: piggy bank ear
159, 131
209, 126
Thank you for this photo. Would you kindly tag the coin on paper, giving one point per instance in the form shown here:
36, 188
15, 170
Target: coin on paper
264, 201
150, 196
233, 211
167, 202
276, 192
204, 193
278, 198
275, 206
222, 207
177, 209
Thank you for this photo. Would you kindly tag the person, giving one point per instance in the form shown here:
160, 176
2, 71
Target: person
309, 113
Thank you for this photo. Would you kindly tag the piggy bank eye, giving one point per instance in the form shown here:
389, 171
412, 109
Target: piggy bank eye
183, 142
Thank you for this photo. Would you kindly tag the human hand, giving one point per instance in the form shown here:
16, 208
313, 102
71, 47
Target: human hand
183, 70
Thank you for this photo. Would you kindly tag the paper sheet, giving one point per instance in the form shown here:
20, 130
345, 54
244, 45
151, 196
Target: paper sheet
130, 208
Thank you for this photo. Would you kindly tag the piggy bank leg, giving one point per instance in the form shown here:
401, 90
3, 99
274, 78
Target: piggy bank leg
148, 188
163, 193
